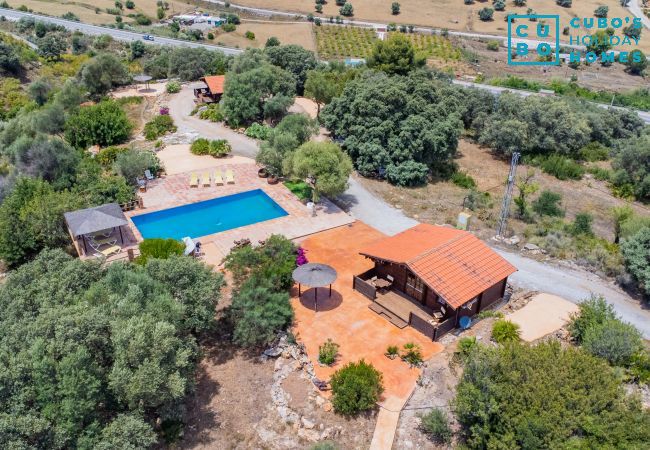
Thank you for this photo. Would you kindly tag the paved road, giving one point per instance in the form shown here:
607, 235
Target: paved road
121, 35
498, 90
635, 8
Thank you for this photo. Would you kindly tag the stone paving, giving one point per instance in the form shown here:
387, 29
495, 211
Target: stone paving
174, 190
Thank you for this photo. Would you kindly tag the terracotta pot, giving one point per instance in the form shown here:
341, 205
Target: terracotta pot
262, 173
272, 179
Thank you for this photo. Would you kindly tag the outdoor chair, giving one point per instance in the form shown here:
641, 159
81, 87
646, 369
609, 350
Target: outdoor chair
194, 180
147, 174
230, 177
108, 252
218, 180
205, 179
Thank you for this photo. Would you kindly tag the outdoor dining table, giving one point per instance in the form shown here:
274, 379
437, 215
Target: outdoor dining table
382, 284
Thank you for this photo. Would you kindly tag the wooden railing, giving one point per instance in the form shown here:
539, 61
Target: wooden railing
444, 327
424, 327
364, 287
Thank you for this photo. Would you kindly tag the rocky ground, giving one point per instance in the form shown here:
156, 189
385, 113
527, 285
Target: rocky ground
245, 401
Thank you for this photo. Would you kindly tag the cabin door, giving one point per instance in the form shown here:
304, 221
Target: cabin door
414, 287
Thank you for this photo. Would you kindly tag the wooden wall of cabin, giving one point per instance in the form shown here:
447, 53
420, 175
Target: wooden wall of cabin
493, 294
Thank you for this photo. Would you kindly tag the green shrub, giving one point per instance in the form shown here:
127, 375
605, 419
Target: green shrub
273, 261
228, 27
562, 167
636, 251
640, 367
392, 350
504, 331
158, 248
173, 87
466, 345
132, 164
408, 173
328, 352
594, 151
599, 173
324, 445
436, 424
102, 124
212, 113
217, 148
592, 312
106, 156
490, 313
355, 388
581, 225
548, 204
259, 313
249, 35
463, 180
493, 46
613, 340
412, 354
159, 126
258, 131
477, 200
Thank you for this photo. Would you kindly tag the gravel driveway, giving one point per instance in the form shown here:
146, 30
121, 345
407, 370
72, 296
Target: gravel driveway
180, 107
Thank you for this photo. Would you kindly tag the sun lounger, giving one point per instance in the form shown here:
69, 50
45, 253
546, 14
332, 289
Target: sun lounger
217, 178
109, 251
230, 177
205, 179
194, 180
103, 241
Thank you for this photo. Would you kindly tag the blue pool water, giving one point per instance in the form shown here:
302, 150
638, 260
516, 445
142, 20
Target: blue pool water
210, 216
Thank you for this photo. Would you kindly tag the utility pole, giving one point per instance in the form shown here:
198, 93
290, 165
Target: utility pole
507, 197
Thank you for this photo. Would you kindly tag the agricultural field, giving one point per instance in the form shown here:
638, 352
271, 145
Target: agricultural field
450, 14
335, 42
87, 12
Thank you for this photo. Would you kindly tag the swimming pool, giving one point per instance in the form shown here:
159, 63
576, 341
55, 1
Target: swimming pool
209, 216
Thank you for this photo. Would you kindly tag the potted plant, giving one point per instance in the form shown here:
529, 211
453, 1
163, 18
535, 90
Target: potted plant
263, 173
392, 352
272, 179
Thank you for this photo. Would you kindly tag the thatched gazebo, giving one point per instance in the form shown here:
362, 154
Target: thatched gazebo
314, 275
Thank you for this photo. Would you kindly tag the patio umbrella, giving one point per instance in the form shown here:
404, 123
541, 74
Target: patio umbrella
315, 275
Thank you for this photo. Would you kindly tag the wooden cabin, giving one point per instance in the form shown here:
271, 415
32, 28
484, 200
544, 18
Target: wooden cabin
429, 277
209, 89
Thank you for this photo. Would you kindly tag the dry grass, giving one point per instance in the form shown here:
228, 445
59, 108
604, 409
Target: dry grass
85, 10
299, 33
451, 14
441, 202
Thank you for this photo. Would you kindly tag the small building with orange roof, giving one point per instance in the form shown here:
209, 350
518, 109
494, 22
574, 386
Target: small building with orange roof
433, 278
209, 89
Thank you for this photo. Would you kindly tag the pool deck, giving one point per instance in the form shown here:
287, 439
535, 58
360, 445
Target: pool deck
174, 190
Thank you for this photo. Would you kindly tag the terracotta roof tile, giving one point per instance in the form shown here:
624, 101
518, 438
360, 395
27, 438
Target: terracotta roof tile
215, 83
455, 264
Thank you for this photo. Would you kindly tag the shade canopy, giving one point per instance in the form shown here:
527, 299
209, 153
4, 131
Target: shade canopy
314, 274
92, 220
142, 78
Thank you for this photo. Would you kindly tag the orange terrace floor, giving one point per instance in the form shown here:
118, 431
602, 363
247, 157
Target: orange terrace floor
346, 319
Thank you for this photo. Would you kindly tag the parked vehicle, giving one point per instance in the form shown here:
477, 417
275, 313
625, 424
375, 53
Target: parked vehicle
147, 37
